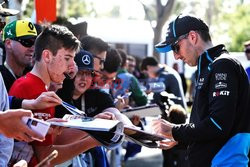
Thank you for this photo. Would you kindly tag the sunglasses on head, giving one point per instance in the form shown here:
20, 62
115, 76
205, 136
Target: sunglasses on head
26, 42
176, 47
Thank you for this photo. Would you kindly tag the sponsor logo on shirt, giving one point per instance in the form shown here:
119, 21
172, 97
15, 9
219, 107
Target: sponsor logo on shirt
220, 85
40, 115
221, 93
200, 83
221, 76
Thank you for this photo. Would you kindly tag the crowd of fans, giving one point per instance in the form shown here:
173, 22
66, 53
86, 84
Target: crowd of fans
43, 68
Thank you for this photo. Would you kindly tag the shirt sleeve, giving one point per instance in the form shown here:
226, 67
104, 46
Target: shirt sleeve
222, 102
15, 103
105, 100
138, 95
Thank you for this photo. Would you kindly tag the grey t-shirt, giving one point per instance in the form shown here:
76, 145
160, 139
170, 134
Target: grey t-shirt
6, 144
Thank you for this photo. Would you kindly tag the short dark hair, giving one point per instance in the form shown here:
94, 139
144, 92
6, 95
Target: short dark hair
53, 38
113, 61
93, 44
123, 56
177, 114
205, 36
148, 61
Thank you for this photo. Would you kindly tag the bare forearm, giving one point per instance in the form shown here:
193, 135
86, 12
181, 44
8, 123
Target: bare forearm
28, 104
65, 152
74, 134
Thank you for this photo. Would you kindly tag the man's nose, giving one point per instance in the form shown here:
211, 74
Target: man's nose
176, 56
32, 48
71, 64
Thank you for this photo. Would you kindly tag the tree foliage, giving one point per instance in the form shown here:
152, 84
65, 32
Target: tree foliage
77, 8
158, 13
238, 27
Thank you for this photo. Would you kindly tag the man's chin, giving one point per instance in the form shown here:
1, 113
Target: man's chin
55, 86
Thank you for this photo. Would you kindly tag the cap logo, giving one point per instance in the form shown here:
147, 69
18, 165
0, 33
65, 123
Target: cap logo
86, 60
9, 32
31, 26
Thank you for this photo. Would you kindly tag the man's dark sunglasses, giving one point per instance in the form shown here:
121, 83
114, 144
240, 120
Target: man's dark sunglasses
176, 47
26, 42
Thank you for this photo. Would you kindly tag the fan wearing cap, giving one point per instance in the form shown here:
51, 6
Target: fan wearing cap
19, 37
83, 79
218, 132
78, 91
74, 91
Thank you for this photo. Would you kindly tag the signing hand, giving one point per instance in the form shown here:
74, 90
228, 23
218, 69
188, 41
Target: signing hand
162, 127
167, 144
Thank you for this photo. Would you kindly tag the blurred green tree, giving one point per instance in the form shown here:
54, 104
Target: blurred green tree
238, 27
77, 8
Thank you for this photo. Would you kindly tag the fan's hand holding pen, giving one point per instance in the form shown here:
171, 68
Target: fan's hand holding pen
106, 115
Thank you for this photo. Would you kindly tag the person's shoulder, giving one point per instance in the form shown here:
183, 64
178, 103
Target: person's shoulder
27, 81
167, 74
4, 70
96, 92
226, 60
98, 96
6, 73
125, 75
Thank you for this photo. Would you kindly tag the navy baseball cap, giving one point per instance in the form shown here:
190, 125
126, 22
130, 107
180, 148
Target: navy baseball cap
84, 60
180, 26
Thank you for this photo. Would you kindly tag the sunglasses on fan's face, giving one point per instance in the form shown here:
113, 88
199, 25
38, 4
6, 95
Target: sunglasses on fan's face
26, 42
176, 47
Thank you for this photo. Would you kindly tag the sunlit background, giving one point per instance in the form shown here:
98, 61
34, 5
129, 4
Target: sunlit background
136, 25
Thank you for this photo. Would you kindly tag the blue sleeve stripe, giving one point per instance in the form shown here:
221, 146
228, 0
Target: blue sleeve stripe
218, 126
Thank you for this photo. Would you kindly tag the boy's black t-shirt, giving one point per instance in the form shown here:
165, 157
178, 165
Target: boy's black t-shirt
96, 101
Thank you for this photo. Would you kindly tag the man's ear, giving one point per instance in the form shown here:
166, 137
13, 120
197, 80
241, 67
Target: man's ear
193, 36
8, 43
46, 56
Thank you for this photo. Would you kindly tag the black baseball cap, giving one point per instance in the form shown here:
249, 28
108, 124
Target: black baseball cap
84, 60
180, 26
